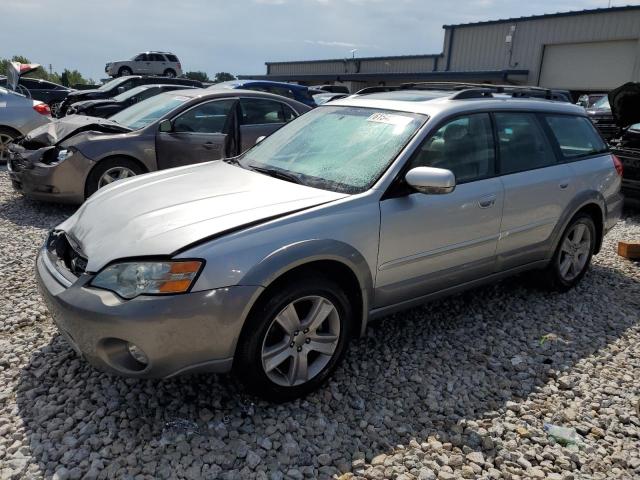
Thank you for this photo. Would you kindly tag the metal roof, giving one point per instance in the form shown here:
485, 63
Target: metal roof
391, 57
450, 75
571, 13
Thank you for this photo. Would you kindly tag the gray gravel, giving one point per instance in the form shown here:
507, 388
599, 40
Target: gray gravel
460, 388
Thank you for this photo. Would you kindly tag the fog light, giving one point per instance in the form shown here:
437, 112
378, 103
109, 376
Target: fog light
137, 353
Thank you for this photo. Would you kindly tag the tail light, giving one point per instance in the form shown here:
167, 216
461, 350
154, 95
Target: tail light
179, 66
618, 164
42, 109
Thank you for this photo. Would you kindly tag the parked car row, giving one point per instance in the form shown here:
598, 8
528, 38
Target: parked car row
268, 263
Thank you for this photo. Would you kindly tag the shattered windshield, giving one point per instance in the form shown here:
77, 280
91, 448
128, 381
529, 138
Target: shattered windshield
344, 149
602, 103
148, 111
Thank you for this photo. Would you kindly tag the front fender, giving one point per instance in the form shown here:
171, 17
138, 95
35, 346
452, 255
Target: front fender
289, 257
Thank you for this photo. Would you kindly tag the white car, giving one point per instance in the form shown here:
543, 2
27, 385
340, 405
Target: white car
18, 116
146, 63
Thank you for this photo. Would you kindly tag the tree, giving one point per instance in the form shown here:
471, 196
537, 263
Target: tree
223, 77
70, 78
200, 76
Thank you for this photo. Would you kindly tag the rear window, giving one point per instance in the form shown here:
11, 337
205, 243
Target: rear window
576, 136
172, 58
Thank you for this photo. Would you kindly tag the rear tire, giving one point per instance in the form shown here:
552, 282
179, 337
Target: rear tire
573, 254
124, 71
294, 338
170, 73
109, 170
6, 137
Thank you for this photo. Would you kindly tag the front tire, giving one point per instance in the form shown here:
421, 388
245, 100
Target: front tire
294, 339
108, 171
124, 71
573, 254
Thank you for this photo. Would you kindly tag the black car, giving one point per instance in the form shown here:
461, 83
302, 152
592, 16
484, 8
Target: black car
120, 85
625, 112
43, 90
104, 108
601, 116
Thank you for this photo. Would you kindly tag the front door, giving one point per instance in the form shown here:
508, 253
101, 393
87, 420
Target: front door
202, 133
431, 242
261, 117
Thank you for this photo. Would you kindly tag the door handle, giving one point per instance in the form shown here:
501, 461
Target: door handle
487, 202
210, 145
564, 184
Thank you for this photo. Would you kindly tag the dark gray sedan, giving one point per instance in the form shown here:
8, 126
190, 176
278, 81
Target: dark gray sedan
69, 159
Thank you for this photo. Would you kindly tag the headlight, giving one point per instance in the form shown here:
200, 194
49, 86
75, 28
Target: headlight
130, 279
65, 153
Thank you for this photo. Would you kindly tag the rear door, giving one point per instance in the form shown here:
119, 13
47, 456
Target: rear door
202, 133
431, 242
537, 188
261, 117
158, 64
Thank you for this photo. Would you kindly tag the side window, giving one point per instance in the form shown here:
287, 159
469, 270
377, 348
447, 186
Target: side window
147, 93
258, 111
576, 136
522, 143
463, 145
210, 117
172, 58
141, 57
30, 84
156, 57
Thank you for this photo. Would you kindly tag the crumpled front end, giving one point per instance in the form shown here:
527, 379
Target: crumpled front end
50, 173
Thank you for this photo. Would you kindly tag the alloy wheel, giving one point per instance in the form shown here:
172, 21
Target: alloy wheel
113, 174
301, 341
574, 251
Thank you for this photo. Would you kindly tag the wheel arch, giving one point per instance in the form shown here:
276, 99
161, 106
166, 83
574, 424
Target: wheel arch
590, 202
337, 260
11, 129
141, 164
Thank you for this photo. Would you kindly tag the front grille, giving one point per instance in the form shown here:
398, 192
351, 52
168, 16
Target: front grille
65, 255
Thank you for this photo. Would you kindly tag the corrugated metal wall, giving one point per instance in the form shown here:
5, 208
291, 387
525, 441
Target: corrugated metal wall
483, 47
401, 64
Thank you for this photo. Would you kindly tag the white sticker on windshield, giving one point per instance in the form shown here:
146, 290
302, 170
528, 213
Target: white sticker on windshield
182, 99
389, 119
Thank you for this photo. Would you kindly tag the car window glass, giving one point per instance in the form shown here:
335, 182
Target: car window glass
156, 57
30, 83
146, 93
210, 117
576, 136
522, 143
284, 92
141, 58
258, 111
172, 58
463, 145
289, 114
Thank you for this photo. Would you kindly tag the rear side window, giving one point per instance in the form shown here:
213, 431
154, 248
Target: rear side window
522, 143
210, 117
257, 111
172, 58
156, 57
576, 136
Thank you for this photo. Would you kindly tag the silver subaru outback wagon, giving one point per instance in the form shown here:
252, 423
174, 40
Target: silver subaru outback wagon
269, 263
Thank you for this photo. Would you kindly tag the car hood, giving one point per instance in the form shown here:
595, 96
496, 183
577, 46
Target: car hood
163, 212
625, 104
57, 131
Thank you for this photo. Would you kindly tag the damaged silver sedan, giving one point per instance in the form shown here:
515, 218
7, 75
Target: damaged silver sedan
70, 159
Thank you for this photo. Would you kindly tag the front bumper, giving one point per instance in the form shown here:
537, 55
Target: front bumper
188, 333
62, 182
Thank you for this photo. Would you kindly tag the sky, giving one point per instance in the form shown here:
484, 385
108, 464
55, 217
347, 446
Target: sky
239, 36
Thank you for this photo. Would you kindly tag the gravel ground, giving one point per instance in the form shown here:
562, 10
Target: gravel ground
460, 388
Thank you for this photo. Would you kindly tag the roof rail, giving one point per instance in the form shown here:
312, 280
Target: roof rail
377, 89
473, 93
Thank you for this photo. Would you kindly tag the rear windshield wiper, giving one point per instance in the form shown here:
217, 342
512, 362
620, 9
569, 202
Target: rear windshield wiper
272, 172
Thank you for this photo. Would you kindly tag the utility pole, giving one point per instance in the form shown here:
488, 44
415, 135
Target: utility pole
50, 70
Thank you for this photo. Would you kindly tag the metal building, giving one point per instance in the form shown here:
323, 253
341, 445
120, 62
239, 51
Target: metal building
587, 50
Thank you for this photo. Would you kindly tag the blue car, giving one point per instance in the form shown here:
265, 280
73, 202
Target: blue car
290, 90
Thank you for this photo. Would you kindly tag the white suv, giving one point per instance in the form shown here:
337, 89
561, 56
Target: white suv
146, 63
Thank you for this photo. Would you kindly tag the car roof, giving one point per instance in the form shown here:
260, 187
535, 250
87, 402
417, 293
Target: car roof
237, 83
432, 102
227, 92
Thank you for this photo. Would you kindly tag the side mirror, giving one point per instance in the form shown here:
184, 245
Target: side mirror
165, 126
259, 139
121, 90
431, 180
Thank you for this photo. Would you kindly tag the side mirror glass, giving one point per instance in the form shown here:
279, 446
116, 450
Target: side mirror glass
259, 139
431, 180
165, 126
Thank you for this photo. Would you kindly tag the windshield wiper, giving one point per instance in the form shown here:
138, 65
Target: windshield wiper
272, 172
